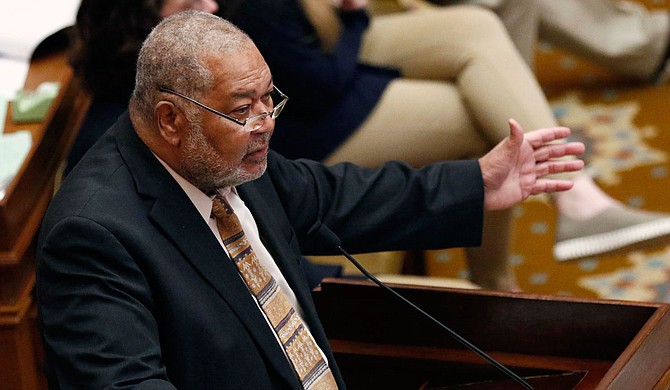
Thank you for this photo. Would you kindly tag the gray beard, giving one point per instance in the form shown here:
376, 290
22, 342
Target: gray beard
203, 167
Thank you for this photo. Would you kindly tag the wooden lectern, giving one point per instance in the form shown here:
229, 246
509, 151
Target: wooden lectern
21, 212
552, 342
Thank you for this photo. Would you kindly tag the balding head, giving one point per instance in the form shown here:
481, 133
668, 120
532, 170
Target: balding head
175, 55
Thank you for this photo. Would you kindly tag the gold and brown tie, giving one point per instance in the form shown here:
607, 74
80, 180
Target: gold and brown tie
300, 347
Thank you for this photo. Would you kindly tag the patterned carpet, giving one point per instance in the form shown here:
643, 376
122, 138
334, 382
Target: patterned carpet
627, 132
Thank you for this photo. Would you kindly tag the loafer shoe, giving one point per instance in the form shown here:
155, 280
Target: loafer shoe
614, 229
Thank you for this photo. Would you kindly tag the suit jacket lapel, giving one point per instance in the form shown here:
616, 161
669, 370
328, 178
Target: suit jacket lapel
179, 219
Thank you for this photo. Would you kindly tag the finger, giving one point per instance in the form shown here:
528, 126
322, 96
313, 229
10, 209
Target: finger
542, 136
552, 167
549, 151
551, 185
515, 131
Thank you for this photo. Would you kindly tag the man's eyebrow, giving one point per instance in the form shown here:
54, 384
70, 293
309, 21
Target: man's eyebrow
249, 94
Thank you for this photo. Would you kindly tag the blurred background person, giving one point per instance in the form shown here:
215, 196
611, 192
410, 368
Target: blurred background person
429, 85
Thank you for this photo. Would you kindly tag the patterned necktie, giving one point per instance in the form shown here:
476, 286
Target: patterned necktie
300, 347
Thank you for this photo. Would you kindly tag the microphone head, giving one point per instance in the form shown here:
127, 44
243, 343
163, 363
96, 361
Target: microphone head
324, 235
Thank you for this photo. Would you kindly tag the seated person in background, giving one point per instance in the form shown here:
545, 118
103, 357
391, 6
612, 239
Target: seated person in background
106, 40
135, 286
421, 86
621, 35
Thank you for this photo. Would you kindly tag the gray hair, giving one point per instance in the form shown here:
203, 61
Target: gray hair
174, 55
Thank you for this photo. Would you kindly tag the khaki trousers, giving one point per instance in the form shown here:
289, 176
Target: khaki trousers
462, 81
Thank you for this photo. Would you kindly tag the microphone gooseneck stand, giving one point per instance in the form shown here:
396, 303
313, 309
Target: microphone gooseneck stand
328, 237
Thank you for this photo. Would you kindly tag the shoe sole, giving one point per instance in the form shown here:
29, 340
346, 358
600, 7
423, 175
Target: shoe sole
611, 241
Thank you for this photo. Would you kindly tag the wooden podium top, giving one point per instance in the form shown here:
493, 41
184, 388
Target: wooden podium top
562, 343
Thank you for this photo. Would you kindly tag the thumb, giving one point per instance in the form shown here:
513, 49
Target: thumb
515, 132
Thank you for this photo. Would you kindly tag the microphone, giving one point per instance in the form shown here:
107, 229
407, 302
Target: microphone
327, 237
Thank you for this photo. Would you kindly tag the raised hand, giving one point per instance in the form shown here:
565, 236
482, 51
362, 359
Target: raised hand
517, 167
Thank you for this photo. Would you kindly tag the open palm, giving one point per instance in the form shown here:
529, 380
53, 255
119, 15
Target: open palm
517, 167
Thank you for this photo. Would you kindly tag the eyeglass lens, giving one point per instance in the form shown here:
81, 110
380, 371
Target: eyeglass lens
277, 103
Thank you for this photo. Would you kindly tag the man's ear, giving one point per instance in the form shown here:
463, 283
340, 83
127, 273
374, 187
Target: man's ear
171, 122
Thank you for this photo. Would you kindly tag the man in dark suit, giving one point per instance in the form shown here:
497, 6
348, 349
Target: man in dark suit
135, 284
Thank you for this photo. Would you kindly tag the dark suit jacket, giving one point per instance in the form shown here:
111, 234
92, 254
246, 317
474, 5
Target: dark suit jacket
134, 291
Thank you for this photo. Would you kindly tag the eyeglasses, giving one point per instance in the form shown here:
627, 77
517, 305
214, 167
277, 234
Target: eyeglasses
252, 123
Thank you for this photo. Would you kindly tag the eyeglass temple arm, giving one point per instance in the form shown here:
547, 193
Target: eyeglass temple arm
173, 92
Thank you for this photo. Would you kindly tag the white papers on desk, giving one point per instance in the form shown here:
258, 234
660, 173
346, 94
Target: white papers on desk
14, 148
